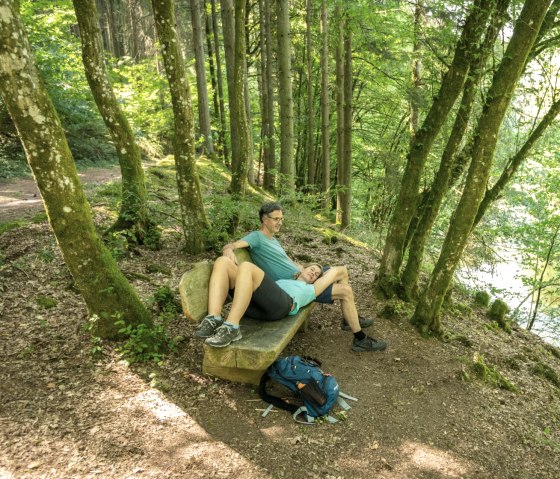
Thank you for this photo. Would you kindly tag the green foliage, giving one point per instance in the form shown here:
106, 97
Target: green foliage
143, 343
46, 301
482, 298
488, 373
546, 372
497, 312
165, 302
396, 309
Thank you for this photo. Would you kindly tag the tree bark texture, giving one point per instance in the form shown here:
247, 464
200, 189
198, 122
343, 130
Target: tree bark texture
133, 214
285, 99
325, 110
106, 291
310, 149
237, 104
267, 99
339, 59
407, 199
414, 101
346, 185
228, 30
201, 86
193, 217
219, 81
427, 313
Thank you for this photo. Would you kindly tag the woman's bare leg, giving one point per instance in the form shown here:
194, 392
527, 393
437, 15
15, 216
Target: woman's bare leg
223, 277
249, 278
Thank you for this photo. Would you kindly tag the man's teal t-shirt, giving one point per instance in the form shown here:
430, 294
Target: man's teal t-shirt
302, 293
269, 256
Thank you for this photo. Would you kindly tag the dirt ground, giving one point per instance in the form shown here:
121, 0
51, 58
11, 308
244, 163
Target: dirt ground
421, 413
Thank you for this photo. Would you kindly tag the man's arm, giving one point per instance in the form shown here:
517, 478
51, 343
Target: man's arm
228, 249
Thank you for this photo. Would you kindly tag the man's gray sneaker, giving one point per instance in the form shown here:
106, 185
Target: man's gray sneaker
364, 323
368, 344
208, 326
223, 336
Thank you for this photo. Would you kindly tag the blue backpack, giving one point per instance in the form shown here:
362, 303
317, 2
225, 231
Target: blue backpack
318, 391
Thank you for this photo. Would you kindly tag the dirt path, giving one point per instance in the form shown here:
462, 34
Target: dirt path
20, 198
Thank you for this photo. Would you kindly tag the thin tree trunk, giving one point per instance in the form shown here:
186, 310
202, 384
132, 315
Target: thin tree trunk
223, 127
133, 214
541, 279
267, 116
285, 99
310, 150
414, 101
106, 291
211, 68
427, 313
407, 200
238, 107
249, 117
201, 87
325, 125
346, 191
193, 217
228, 30
339, 56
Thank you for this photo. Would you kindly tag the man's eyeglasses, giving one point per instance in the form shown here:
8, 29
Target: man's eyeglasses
276, 220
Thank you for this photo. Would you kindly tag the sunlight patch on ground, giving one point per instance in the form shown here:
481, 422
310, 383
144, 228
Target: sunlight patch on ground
422, 456
162, 409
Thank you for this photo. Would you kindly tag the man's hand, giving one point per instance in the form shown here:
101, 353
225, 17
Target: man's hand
227, 251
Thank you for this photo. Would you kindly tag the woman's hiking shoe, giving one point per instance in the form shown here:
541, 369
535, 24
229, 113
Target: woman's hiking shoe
368, 344
224, 336
208, 326
364, 323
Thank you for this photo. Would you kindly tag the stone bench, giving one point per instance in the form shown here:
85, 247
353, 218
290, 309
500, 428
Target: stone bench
247, 359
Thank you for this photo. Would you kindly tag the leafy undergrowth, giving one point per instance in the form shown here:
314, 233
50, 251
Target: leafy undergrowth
479, 403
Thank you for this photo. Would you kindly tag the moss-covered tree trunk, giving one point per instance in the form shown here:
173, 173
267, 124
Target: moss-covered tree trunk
407, 200
106, 291
325, 109
285, 98
237, 104
190, 198
427, 313
201, 87
431, 203
310, 129
133, 214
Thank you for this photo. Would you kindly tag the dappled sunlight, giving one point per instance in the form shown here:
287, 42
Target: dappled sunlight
428, 458
153, 402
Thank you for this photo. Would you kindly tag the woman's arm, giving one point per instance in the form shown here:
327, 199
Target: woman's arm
334, 274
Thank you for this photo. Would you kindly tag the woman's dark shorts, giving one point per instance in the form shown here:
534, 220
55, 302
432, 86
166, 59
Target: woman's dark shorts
269, 302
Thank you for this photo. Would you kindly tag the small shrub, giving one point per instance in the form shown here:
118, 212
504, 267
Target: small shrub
165, 300
46, 302
144, 343
489, 374
498, 311
482, 298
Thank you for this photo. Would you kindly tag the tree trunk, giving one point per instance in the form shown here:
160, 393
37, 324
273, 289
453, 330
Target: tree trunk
133, 214
201, 87
414, 100
339, 57
407, 200
346, 185
325, 125
310, 149
267, 115
249, 117
106, 291
228, 30
223, 128
193, 217
237, 105
427, 313
431, 201
285, 99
